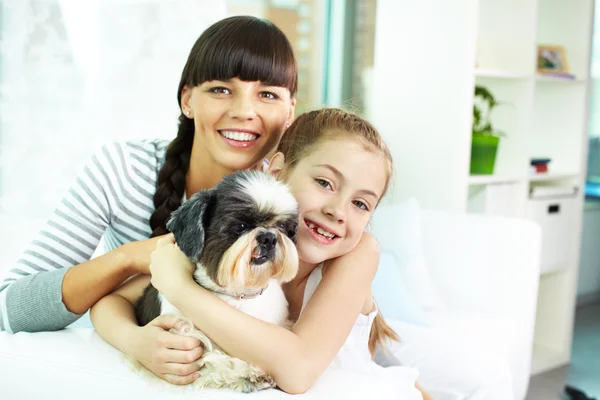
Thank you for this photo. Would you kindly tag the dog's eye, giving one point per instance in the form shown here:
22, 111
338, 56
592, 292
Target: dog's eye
242, 226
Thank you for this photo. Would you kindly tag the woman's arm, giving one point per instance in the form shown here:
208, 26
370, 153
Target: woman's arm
54, 280
295, 359
169, 356
84, 284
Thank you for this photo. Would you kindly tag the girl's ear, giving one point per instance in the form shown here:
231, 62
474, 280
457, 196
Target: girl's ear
276, 164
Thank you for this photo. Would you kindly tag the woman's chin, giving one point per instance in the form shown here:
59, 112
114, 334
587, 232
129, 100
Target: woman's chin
235, 162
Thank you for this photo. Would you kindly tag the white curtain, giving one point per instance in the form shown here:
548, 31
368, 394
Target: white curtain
75, 74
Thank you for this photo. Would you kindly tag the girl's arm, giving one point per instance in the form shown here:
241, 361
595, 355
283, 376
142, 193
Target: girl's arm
295, 359
169, 356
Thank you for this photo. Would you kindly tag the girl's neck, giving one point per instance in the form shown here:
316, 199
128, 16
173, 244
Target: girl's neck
304, 270
204, 171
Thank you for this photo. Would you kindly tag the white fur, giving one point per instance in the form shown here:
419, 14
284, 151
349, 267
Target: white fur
271, 306
270, 194
219, 370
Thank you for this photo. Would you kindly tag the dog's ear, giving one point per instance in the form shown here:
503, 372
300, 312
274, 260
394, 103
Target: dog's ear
188, 224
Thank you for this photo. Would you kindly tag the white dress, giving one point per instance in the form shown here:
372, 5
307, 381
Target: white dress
355, 356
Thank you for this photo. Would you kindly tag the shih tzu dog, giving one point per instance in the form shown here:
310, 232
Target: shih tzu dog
241, 237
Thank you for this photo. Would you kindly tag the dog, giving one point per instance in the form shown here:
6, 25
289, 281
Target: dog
241, 237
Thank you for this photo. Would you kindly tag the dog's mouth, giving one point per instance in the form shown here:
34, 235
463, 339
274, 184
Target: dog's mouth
261, 256
259, 260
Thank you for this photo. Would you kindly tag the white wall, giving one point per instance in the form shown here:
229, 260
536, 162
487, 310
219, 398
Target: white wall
420, 96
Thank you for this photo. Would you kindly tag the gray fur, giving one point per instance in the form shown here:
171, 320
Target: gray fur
209, 223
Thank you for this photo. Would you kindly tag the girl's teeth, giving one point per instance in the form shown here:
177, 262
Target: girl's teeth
320, 230
326, 234
239, 136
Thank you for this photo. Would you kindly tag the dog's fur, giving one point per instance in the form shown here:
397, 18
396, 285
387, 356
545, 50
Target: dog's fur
241, 236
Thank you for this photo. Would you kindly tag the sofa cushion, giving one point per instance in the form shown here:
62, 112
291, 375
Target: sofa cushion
397, 228
391, 294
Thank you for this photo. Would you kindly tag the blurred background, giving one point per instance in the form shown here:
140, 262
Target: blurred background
75, 74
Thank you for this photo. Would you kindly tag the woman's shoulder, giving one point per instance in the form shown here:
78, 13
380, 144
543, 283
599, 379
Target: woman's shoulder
136, 163
148, 149
138, 154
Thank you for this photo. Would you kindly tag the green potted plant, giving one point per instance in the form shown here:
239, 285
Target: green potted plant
485, 139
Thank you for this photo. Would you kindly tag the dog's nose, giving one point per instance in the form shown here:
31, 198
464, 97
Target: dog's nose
266, 240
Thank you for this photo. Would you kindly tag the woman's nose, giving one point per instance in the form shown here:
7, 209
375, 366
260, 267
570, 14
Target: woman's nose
242, 107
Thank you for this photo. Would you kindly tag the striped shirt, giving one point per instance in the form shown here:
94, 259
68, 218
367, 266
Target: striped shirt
111, 198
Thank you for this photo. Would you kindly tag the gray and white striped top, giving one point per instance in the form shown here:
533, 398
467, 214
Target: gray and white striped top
111, 197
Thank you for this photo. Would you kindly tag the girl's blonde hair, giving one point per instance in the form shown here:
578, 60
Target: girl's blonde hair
314, 127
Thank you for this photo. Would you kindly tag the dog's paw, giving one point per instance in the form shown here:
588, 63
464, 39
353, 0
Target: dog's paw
184, 327
258, 379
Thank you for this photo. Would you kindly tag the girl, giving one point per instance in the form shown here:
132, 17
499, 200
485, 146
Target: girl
236, 96
338, 168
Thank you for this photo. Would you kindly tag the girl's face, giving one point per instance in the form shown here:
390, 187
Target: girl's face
238, 123
337, 188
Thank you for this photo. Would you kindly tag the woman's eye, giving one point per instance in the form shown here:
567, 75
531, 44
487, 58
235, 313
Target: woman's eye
361, 205
269, 95
219, 90
323, 183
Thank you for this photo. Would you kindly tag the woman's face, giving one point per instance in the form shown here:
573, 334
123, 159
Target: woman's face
238, 123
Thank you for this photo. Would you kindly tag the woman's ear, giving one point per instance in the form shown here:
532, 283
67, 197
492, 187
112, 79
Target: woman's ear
292, 113
276, 164
186, 97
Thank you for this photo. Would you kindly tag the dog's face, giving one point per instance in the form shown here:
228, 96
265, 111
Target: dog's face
242, 231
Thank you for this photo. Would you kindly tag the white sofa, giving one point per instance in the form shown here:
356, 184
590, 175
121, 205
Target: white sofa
485, 271
484, 268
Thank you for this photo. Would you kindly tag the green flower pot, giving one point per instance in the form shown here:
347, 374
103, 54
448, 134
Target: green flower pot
483, 154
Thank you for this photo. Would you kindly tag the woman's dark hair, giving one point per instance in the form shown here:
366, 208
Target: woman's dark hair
249, 48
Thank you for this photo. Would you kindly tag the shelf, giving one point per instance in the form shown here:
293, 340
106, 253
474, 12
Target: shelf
545, 359
500, 74
493, 179
552, 176
557, 79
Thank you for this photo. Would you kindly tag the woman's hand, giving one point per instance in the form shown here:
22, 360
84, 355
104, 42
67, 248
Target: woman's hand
138, 253
170, 267
169, 356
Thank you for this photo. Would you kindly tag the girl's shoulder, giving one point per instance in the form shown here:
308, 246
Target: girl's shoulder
366, 249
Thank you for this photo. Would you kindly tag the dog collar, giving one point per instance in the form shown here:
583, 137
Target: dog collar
245, 295
251, 293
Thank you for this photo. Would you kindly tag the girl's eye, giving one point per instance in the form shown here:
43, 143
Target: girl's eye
361, 205
219, 90
269, 95
323, 183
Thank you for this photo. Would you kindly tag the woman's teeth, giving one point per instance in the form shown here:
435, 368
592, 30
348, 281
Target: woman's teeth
239, 136
321, 231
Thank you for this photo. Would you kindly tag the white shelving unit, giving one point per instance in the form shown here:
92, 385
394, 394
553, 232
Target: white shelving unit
427, 61
545, 117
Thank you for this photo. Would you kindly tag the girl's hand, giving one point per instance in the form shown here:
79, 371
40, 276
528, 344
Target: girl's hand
138, 254
169, 266
169, 356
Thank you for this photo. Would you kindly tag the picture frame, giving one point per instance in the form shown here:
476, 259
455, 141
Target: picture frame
552, 59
